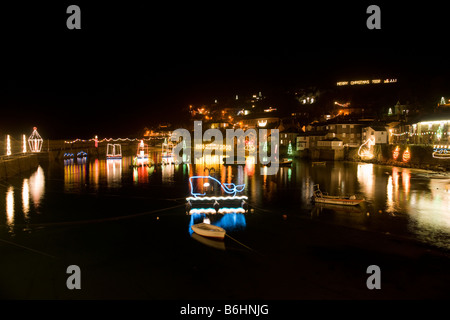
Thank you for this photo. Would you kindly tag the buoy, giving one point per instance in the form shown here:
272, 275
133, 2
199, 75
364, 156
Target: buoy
284, 217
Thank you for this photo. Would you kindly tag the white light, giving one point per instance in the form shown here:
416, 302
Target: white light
262, 123
35, 141
24, 146
8, 145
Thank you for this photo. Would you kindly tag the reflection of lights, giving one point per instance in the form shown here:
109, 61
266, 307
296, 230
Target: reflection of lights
10, 206
367, 152
406, 179
113, 171
365, 176
25, 197
37, 184
396, 152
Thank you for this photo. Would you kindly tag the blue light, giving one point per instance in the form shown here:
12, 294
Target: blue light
232, 222
229, 188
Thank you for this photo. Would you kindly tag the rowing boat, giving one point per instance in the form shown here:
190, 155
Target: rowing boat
319, 197
209, 230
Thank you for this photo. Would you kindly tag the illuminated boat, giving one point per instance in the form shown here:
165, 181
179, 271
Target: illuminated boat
167, 156
320, 197
114, 151
142, 154
209, 230
209, 195
81, 154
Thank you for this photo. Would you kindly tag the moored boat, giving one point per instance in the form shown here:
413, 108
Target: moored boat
209, 230
320, 197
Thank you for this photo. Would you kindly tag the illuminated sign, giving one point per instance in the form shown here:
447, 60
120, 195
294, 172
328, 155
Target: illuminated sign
441, 152
406, 155
262, 123
213, 146
396, 153
365, 151
364, 82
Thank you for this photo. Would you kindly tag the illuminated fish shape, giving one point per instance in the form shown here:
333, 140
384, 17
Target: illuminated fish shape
229, 188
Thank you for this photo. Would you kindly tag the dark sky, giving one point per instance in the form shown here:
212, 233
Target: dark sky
133, 65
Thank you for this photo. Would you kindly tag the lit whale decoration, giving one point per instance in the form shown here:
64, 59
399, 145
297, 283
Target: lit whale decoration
229, 188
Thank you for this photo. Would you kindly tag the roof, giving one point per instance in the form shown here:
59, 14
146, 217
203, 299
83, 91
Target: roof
377, 128
432, 117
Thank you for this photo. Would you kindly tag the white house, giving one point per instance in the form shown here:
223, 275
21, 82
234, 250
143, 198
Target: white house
378, 133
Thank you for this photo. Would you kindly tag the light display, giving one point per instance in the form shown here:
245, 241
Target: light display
8, 145
406, 155
24, 144
365, 151
113, 151
365, 82
396, 152
262, 123
212, 210
289, 151
229, 188
35, 141
441, 152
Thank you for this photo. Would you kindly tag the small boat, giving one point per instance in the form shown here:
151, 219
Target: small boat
319, 163
320, 197
282, 163
209, 230
213, 243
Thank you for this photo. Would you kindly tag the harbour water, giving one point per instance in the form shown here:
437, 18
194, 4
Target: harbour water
122, 223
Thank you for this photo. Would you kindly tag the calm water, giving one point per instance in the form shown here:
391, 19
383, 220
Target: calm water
399, 201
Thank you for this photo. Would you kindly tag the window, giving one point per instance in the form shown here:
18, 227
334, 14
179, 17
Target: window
352, 126
343, 135
344, 126
352, 135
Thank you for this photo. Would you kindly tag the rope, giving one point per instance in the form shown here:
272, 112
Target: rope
27, 248
68, 223
243, 244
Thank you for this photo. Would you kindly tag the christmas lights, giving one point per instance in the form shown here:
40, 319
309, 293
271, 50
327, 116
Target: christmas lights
24, 144
441, 152
8, 145
212, 210
114, 151
229, 188
406, 155
367, 152
35, 141
396, 153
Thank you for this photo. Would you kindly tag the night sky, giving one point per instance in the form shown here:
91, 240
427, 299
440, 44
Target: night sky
134, 65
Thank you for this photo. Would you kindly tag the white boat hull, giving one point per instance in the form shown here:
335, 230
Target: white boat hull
209, 230
347, 202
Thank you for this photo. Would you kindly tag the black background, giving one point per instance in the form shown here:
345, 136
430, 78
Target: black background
135, 64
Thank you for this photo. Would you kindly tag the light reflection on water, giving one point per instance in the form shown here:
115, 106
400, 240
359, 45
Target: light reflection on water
398, 200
